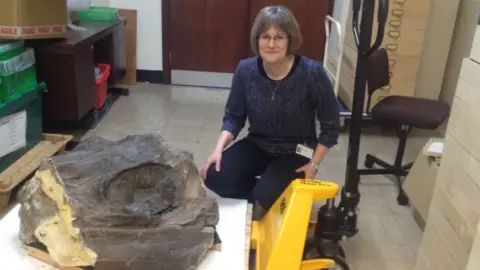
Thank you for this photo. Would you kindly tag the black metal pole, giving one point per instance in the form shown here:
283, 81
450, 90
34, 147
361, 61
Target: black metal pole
364, 45
336, 223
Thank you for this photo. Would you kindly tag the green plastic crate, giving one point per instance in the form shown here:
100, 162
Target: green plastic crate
29, 103
106, 14
10, 49
17, 75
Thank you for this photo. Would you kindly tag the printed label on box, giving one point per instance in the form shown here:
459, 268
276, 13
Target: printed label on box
19, 31
13, 133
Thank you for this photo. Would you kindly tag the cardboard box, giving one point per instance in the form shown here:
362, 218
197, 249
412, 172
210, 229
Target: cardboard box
449, 239
33, 19
474, 261
404, 43
421, 179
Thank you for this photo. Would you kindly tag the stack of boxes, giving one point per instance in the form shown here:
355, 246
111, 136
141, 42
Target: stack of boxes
17, 70
20, 102
451, 239
20, 93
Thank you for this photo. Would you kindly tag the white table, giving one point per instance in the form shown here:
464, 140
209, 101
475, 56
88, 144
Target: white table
231, 229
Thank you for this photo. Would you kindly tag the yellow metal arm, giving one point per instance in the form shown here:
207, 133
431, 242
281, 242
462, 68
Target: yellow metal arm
279, 238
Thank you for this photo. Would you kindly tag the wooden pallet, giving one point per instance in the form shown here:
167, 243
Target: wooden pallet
35, 251
24, 167
248, 236
39, 252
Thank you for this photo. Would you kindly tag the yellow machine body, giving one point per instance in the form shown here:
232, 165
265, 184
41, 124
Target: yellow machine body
279, 238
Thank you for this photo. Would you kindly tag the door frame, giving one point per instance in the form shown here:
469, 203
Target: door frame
167, 69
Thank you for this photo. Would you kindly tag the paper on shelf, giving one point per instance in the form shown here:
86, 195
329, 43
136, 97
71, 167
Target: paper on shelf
13, 133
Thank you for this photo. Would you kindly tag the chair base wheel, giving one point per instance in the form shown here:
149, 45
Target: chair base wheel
368, 163
402, 199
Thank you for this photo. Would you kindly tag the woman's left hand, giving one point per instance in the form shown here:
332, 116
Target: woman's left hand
309, 170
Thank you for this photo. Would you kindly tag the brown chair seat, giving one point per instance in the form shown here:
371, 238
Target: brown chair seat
415, 112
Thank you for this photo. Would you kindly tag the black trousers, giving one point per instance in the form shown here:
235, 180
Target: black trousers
240, 166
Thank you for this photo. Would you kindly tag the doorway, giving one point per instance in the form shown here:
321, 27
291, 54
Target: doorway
203, 40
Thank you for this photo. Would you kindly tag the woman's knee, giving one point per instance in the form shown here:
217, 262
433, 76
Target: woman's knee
229, 184
212, 178
269, 189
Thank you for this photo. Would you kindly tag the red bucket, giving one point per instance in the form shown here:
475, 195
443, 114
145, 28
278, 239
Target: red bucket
101, 87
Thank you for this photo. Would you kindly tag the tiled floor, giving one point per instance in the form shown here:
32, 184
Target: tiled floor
388, 237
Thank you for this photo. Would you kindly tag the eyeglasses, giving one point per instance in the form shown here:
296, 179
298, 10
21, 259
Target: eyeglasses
279, 38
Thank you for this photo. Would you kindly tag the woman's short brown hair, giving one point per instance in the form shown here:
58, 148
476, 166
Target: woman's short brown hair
280, 17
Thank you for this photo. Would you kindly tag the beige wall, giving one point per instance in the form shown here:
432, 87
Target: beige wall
461, 44
149, 30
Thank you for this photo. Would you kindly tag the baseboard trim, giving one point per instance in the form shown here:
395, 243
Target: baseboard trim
151, 76
202, 78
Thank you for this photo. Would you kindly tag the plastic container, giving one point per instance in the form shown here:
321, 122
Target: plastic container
10, 49
30, 103
101, 88
107, 14
17, 75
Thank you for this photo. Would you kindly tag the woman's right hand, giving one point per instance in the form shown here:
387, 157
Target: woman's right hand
215, 158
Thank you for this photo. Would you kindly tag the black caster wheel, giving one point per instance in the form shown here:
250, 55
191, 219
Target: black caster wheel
402, 199
310, 251
341, 264
368, 163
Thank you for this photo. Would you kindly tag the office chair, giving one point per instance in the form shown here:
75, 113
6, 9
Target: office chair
404, 113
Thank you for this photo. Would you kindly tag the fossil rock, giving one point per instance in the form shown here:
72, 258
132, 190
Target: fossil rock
138, 203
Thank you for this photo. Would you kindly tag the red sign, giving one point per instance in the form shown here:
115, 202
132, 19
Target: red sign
29, 31
13, 31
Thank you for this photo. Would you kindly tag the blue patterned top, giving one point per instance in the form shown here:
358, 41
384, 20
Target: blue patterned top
281, 114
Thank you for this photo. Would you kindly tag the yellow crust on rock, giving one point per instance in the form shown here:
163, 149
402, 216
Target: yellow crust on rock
62, 240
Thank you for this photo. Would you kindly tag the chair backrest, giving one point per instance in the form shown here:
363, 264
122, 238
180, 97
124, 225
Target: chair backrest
378, 72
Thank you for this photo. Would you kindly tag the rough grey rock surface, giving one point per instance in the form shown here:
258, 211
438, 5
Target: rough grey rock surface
139, 203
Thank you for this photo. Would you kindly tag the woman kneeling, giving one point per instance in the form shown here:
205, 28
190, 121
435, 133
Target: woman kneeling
281, 93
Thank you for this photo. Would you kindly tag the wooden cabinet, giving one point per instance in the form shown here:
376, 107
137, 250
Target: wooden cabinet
67, 67
208, 35
65, 75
